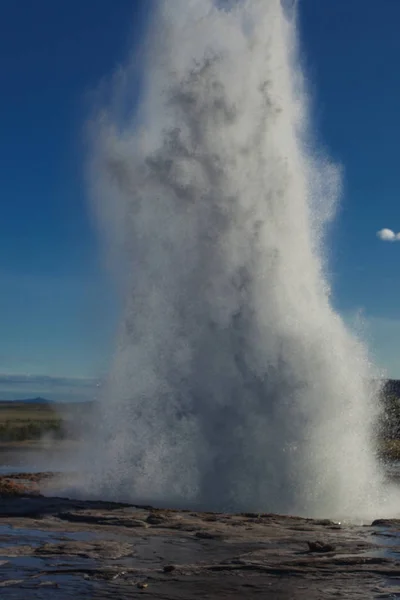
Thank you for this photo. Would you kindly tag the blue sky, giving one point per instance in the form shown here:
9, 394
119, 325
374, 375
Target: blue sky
352, 49
57, 305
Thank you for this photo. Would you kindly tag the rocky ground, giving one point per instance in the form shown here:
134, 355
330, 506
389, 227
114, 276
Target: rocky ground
59, 548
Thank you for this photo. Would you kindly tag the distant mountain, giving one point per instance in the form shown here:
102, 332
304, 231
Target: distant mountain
391, 387
38, 400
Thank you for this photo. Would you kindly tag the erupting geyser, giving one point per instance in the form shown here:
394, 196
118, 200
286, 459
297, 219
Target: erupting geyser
235, 386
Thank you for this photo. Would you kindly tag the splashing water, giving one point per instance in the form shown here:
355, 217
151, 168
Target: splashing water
235, 386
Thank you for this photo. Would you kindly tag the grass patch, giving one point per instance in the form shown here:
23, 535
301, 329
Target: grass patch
389, 449
21, 422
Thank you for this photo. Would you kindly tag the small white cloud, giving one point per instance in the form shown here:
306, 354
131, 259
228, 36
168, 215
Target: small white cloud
387, 235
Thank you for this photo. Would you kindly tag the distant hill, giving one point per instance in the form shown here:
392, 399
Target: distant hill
392, 388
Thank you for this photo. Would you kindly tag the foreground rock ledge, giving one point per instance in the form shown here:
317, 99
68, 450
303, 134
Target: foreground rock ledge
63, 548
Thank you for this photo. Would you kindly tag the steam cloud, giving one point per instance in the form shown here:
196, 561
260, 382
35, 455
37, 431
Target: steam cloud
235, 385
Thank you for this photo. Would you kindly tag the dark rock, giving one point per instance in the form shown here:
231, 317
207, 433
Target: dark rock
208, 535
96, 550
325, 523
169, 568
155, 519
386, 523
320, 547
101, 519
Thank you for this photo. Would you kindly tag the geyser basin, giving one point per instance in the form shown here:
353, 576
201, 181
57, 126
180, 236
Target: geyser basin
235, 386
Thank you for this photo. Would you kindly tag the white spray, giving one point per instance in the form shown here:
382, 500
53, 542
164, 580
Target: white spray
235, 386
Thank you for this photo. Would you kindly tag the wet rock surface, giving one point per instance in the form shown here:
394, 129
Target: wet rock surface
62, 548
